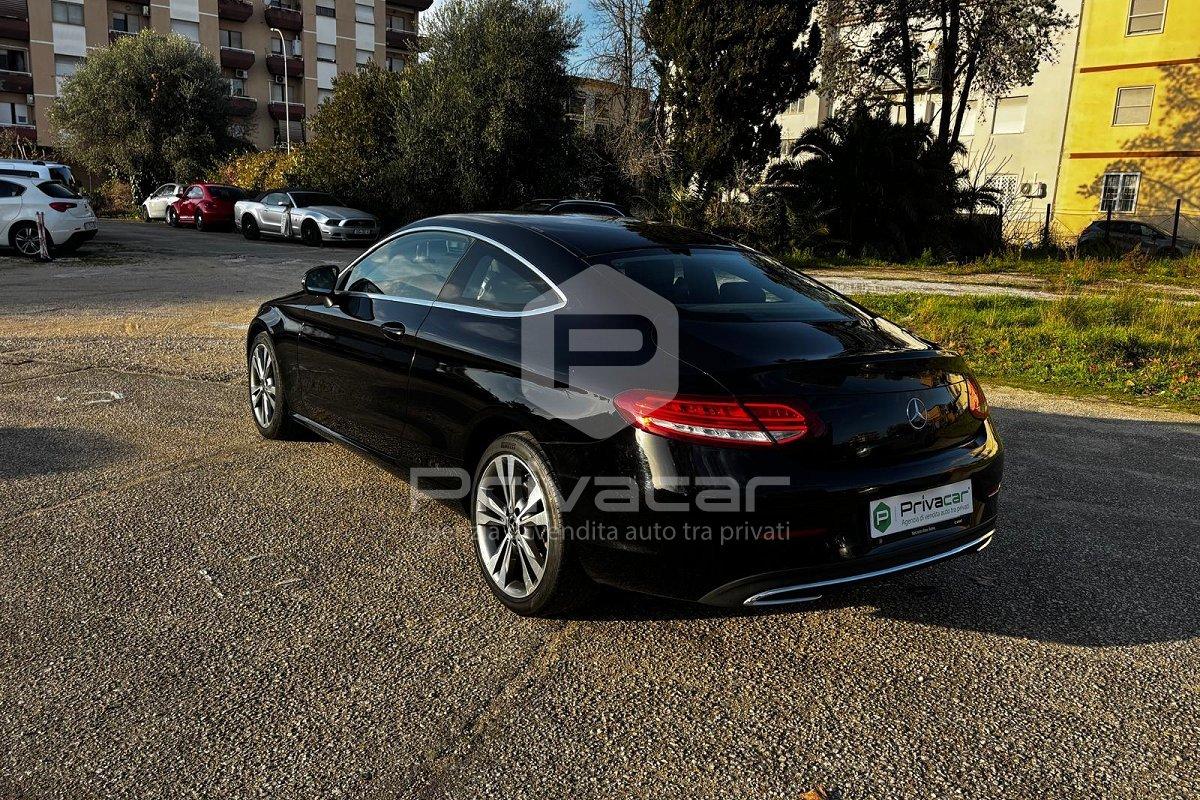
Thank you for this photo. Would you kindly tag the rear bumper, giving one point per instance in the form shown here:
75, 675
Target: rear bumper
79, 237
802, 585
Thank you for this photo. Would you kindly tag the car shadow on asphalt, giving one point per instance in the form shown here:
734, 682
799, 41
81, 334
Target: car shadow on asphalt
1098, 544
30, 452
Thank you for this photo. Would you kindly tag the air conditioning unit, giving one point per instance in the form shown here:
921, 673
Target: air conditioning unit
279, 79
241, 73
1033, 189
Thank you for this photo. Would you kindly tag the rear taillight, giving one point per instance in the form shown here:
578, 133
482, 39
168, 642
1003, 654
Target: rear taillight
976, 400
58, 205
716, 419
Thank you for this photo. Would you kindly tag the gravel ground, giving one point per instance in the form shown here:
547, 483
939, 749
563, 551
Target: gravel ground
187, 610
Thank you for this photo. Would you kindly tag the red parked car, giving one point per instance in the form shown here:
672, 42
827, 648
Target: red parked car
205, 205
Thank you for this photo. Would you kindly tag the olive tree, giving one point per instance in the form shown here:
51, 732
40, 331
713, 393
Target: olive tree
149, 108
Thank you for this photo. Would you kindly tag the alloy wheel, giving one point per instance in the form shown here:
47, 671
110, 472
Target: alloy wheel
27, 241
262, 385
512, 526
199, 221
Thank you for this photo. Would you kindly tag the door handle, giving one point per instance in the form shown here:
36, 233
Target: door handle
393, 330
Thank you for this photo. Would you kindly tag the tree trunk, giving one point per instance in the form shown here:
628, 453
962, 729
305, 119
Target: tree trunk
951, 36
907, 68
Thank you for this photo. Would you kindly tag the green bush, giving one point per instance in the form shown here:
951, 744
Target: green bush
257, 171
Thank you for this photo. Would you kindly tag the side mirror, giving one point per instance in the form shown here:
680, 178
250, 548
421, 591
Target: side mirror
179, 195
321, 281
288, 206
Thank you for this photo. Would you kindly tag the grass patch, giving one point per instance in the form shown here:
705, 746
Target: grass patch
1064, 272
1129, 345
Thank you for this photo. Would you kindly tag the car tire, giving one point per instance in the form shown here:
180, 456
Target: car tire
531, 568
250, 228
145, 214
200, 223
172, 218
310, 234
24, 238
268, 392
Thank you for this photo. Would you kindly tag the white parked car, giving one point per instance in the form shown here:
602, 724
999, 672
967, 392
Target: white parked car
312, 217
69, 222
155, 206
41, 170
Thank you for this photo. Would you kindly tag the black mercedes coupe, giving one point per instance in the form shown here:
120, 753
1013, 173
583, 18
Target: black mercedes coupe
635, 404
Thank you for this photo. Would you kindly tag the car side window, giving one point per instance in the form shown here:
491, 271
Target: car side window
195, 193
275, 199
491, 279
10, 189
168, 190
412, 267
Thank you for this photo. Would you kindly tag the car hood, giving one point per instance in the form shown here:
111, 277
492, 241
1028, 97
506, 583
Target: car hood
339, 212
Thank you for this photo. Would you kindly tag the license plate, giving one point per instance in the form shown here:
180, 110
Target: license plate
89, 226
362, 231
903, 512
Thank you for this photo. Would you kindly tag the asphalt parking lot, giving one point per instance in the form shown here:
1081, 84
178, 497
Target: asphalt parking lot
188, 610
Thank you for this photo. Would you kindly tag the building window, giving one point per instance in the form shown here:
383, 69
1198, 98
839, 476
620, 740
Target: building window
401, 22
327, 52
277, 93
795, 107
231, 39
126, 23
324, 96
281, 132
362, 57
14, 114
1146, 16
364, 14
66, 13
326, 11
1010, 115
188, 30
14, 61
1133, 105
237, 86
1120, 192
395, 64
293, 46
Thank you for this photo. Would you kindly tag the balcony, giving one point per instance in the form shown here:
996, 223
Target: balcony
14, 28
236, 58
295, 65
286, 19
415, 5
24, 131
234, 10
294, 111
401, 39
242, 106
20, 82
113, 35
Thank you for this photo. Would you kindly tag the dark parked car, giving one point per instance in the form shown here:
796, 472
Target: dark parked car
595, 208
205, 205
870, 451
1122, 236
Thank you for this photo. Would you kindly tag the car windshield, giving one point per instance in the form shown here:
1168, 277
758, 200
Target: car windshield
62, 175
309, 199
726, 282
226, 193
56, 189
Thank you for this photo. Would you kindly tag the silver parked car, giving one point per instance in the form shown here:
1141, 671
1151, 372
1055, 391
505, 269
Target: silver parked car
155, 206
313, 217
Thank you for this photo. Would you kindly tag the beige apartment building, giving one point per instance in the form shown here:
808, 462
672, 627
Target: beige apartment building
1015, 142
256, 43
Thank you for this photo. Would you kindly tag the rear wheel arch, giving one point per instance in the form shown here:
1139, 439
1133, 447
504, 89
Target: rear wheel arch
483, 433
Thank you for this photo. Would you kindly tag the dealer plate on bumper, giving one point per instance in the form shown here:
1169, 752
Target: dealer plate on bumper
904, 512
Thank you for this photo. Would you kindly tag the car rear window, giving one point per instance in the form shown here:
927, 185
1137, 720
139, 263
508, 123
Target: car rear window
226, 193
727, 282
56, 189
62, 175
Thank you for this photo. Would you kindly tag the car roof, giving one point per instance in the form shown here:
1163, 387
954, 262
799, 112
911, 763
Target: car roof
585, 236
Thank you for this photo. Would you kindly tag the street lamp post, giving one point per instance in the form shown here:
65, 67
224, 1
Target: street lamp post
287, 106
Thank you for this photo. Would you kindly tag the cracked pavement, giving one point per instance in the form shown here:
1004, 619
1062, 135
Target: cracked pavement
188, 610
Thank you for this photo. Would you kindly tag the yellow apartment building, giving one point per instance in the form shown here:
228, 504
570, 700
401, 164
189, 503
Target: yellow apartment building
1132, 140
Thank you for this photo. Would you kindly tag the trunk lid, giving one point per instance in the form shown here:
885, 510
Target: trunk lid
879, 391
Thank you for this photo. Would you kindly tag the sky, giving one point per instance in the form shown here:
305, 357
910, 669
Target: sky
578, 8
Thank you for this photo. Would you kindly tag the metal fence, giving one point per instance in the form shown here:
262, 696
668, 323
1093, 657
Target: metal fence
1062, 228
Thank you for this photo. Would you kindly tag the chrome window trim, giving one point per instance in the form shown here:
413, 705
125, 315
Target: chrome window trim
485, 312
